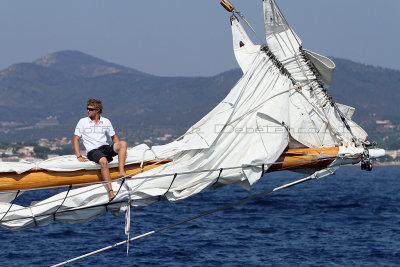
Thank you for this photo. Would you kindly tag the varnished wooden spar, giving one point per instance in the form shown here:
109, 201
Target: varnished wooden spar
304, 158
291, 159
43, 178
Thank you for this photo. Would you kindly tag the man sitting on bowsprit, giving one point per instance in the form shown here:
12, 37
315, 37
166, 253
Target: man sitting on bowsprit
94, 130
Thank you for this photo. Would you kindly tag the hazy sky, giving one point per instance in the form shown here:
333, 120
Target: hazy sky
191, 38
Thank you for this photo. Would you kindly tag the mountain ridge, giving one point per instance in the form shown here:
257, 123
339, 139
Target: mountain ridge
58, 84
81, 64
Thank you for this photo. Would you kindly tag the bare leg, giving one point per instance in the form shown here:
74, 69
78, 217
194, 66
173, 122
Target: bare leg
105, 175
120, 148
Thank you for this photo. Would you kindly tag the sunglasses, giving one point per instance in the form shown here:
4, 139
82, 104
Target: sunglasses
91, 109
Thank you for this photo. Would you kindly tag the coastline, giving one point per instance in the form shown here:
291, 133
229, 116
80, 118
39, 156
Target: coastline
386, 163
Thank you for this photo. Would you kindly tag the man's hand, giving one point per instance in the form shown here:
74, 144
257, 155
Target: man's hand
82, 159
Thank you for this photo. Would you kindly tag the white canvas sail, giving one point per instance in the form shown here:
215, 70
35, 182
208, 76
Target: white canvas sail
264, 113
323, 65
316, 122
244, 49
245, 128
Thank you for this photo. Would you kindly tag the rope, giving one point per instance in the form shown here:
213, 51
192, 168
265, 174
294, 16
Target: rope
219, 175
263, 170
302, 180
248, 25
66, 195
119, 189
33, 216
171, 184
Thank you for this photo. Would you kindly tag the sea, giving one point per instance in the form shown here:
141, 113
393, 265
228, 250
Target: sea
349, 219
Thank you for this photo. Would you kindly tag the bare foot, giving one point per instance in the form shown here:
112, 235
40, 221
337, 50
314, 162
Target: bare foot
120, 175
111, 195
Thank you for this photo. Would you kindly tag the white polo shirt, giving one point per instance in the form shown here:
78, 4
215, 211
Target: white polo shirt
94, 136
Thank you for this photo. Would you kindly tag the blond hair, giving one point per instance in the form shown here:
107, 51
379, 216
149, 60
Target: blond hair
96, 103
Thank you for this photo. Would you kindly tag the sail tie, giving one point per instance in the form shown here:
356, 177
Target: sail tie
33, 216
262, 170
66, 195
119, 189
219, 175
176, 174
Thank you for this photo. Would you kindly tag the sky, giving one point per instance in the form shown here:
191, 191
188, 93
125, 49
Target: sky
191, 38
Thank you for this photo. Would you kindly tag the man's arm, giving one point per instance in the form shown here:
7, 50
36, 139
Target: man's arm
75, 142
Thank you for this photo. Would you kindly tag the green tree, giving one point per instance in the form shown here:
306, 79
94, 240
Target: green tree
41, 152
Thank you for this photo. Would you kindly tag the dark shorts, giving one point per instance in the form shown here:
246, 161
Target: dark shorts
103, 151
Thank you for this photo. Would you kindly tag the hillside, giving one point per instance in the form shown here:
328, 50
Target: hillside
80, 64
46, 98
374, 91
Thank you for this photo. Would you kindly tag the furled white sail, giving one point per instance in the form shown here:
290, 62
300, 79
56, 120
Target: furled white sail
264, 113
316, 120
245, 128
324, 66
245, 50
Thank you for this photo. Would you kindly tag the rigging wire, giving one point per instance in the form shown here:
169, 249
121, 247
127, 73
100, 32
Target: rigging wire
284, 186
248, 25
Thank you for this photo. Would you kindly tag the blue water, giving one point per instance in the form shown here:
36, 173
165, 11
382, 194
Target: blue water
349, 219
